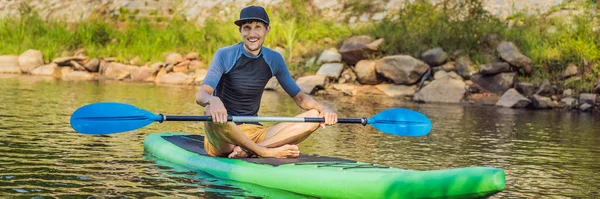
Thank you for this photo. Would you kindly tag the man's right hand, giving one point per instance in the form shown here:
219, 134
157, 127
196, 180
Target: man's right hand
216, 109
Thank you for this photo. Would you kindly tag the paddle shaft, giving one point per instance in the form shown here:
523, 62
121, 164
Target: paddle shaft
362, 121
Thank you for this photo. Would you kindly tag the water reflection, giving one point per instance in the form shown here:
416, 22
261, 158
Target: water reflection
549, 153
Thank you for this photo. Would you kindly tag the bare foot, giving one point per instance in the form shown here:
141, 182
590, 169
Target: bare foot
238, 152
285, 151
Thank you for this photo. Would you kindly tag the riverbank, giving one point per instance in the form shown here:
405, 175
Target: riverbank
431, 53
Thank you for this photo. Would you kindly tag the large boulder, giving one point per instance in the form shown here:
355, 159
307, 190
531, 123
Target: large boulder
545, 88
331, 70
118, 71
588, 98
45, 70
272, 84
513, 99
366, 73
92, 65
541, 102
434, 57
310, 84
144, 74
527, 88
446, 90
511, 54
393, 90
329, 56
176, 78
9, 64
30, 59
173, 58
357, 48
401, 69
465, 67
498, 84
494, 68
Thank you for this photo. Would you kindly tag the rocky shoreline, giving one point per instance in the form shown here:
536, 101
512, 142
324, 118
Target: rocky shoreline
434, 77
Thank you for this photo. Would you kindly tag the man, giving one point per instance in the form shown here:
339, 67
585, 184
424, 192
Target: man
234, 86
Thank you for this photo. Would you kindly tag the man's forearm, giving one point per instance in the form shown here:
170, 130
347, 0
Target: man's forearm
306, 102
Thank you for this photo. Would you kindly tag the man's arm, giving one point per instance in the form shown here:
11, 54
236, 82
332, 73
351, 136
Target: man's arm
212, 104
306, 102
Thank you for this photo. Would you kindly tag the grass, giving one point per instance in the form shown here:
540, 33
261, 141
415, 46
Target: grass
456, 26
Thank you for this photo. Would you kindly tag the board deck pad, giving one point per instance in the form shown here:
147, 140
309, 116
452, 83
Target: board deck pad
195, 144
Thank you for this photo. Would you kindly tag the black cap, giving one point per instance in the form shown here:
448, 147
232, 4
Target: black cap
252, 13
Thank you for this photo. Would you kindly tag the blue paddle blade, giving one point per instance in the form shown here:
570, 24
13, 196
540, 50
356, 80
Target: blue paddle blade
403, 122
110, 117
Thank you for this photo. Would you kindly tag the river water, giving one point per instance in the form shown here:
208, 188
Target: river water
549, 153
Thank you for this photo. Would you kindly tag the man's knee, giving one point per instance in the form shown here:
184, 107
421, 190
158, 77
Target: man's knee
311, 113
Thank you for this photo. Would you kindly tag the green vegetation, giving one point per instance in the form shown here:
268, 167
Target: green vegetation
552, 43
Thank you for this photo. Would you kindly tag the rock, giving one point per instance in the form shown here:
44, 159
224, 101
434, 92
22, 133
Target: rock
393, 90
569, 102
79, 76
92, 65
585, 107
157, 66
329, 56
545, 89
191, 56
348, 76
62, 72
571, 70
118, 71
495, 68
358, 48
142, 74
200, 74
80, 52
367, 90
588, 98
513, 99
434, 57
45, 70
541, 102
176, 78
195, 65
498, 84
440, 75
567, 93
401, 69
348, 89
66, 61
173, 59
366, 73
9, 64
331, 70
309, 84
489, 99
161, 73
30, 59
445, 90
511, 54
526, 88
272, 84
450, 66
181, 66
465, 67
77, 66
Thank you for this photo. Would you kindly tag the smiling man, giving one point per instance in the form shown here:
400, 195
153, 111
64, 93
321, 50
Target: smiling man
234, 86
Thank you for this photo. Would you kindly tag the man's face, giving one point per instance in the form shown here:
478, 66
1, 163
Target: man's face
253, 35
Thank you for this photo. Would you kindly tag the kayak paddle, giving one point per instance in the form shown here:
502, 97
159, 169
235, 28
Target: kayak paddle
113, 117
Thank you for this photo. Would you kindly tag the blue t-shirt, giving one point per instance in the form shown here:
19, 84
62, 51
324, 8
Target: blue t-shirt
239, 78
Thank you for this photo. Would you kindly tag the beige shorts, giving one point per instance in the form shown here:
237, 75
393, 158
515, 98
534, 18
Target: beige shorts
255, 132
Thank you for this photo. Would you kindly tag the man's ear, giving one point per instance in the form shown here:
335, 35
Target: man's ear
268, 29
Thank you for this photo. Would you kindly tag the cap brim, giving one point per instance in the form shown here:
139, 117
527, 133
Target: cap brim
240, 22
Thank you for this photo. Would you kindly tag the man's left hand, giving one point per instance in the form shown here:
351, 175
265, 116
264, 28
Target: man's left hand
330, 117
